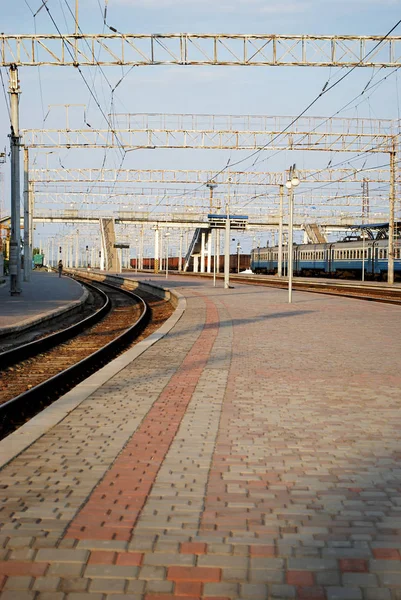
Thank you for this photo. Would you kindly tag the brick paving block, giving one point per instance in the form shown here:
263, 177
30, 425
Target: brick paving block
254, 591
18, 583
234, 574
283, 591
376, 566
311, 593
149, 572
74, 585
377, 594
390, 579
204, 574
17, 595
343, 593
193, 548
188, 588
161, 587
102, 557
214, 560
360, 580
111, 572
263, 576
353, 565
262, 550
14, 568
107, 586
231, 590
20, 542
386, 554
65, 556
169, 559
328, 578
116, 545
266, 563
129, 558
136, 586
66, 570
46, 584
50, 596
84, 596
302, 578
22, 554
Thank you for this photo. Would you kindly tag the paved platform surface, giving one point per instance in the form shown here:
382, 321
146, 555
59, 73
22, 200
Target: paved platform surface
45, 294
254, 452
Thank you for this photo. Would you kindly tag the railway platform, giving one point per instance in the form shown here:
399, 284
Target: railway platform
253, 452
44, 296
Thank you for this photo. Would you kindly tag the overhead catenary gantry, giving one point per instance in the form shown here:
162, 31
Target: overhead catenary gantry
200, 49
199, 177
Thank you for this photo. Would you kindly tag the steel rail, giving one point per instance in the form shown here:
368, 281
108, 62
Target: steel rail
24, 405
20, 353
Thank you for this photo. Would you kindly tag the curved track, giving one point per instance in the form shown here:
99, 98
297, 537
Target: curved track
39, 372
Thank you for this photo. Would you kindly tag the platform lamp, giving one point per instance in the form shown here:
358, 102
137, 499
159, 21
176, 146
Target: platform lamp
291, 183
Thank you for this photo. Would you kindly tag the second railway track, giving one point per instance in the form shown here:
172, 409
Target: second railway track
35, 376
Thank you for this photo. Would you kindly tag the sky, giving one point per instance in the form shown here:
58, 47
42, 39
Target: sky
214, 90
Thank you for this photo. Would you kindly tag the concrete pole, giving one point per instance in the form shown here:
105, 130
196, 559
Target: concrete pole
156, 265
27, 246
390, 253
77, 250
15, 234
290, 243
209, 250
227, 252
141, 249
217, 258
180, 254
280, 235
202, 266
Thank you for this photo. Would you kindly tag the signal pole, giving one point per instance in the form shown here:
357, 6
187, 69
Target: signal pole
15, 240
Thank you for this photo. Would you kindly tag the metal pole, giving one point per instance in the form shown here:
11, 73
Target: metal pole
390, 253
215, 258
280, 235
27, 246
238, 249
363, 256
156, 266
167, 236
180, 254
290, 257
76, 17
15, 234
227, 251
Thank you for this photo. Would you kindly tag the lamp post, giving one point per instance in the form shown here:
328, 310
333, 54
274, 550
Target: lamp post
167, 235
291, 183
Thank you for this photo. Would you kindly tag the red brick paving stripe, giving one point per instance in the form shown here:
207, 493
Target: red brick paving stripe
386, 554
203, 574
303, 578
354, 565
102, 557
105, 516
193, 548
18, 568
188, 588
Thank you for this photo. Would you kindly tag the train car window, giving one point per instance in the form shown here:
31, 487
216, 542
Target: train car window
385, 254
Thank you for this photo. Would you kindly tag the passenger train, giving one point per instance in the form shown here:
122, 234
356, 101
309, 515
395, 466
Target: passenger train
345, 258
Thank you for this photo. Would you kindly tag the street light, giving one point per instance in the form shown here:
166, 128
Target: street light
291, 183
167, 235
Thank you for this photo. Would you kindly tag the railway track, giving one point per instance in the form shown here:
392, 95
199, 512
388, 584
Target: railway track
35, 374
347, 289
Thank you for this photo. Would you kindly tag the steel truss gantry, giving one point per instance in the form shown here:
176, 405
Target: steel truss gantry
199, 177
208, 139
200, 49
